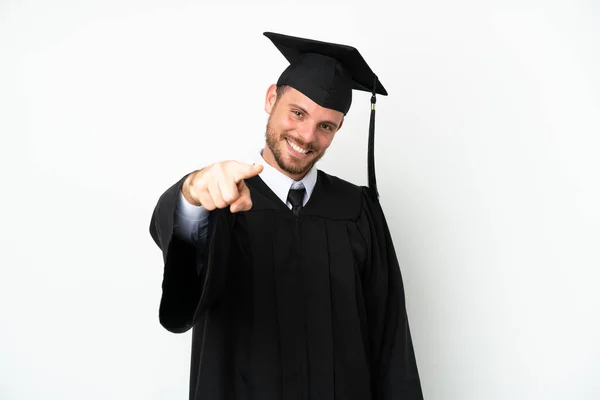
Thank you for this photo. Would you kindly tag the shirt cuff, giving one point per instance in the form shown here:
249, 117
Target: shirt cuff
189, 211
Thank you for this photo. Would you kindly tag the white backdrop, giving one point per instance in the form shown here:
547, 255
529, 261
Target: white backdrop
487, 159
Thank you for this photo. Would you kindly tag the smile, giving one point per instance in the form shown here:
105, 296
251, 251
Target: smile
296, 148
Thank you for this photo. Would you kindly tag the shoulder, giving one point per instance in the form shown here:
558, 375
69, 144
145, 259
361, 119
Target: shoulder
336, 183
337, 198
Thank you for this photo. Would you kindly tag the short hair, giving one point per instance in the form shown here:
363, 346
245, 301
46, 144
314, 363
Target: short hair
281, 90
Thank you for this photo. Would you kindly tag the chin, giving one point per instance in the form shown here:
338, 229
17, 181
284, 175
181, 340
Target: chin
291, 164
294, 167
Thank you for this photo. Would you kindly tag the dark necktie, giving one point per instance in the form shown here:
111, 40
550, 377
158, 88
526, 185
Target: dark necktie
296, 197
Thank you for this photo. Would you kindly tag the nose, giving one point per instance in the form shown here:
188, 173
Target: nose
308, 134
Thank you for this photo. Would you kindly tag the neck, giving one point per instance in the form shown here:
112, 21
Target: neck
268, 156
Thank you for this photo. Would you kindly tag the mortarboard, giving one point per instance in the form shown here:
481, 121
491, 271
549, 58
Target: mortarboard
327, 73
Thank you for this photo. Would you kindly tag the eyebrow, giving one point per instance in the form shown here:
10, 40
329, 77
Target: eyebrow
307, 113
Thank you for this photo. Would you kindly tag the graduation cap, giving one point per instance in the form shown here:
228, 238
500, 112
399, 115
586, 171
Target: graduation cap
327, 73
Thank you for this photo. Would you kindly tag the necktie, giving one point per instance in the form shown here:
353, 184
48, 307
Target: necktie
296, 197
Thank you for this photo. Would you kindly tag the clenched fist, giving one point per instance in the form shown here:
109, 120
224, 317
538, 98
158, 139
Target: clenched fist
220, 185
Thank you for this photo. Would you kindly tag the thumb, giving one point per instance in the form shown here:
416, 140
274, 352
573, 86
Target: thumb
245, 171
244, 202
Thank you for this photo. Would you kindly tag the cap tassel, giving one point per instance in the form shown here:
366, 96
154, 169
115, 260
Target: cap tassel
371, 152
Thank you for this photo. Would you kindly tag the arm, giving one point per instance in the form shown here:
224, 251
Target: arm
181, 283
191, 221
394, 368
192, 280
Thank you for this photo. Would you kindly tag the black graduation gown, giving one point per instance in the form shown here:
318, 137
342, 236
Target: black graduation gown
290, 308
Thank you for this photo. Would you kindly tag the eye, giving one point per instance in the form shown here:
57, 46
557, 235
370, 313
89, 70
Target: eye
297, 113
327, 127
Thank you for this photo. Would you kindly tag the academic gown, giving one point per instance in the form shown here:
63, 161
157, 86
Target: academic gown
290, 308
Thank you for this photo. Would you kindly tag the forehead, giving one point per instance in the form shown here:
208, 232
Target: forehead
295, 97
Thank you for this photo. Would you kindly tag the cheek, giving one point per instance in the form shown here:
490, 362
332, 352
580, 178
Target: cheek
324, 141
279, 125
287, 123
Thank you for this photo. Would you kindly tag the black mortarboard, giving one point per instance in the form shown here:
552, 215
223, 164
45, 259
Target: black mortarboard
327, 73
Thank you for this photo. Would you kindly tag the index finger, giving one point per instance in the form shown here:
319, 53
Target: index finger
245, 171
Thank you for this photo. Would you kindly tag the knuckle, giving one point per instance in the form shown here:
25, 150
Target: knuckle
208, 205
216, 168
195, 195
220, 202
205, 201
229, 198
202, 182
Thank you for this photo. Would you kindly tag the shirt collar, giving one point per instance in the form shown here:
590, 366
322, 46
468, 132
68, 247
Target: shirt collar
280, 183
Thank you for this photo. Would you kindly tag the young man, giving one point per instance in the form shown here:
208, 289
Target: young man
286, 275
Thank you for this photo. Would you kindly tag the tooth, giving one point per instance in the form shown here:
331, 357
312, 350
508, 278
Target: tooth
297, 148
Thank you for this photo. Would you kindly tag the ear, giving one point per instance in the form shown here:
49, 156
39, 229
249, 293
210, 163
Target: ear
270, 98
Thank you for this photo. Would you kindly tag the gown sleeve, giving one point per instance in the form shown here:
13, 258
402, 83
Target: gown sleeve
394, 368
194, 274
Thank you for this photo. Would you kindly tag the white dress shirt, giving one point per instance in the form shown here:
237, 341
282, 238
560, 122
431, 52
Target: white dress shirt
191, 221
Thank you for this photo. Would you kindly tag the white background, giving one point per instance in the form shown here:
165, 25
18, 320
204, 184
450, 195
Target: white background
487, 158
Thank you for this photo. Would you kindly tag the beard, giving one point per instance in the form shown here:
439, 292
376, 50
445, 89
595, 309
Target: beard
275, 141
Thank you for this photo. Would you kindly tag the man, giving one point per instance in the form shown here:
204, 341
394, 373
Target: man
286, 275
